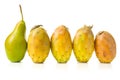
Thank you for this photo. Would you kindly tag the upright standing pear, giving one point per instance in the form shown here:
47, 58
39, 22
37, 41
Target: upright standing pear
38, 44
83, 44
15, 43
105, 47
61, 44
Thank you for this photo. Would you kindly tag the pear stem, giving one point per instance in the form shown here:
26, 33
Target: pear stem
91, 26
21, 11
36, 27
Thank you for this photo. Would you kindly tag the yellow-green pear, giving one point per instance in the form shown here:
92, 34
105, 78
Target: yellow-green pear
15, 43
83, 44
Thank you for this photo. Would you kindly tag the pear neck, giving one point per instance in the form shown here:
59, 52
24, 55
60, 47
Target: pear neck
20, 28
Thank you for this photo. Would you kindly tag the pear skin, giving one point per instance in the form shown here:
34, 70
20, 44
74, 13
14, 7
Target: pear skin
83, 44
15, 43
61, 44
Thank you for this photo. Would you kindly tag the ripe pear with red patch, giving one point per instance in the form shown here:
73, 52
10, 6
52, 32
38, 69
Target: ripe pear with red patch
61, 44
105, 47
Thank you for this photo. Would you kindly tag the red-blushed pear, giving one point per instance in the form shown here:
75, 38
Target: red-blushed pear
61, 44
105, 47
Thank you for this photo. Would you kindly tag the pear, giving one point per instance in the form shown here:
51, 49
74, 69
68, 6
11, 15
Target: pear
15, 43
83, 44
105, 47
38, 44
61, 44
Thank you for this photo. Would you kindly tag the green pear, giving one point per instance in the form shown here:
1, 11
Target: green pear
15, 43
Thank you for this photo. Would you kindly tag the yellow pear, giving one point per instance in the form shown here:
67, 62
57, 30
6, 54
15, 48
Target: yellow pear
83, 44
61, 44
38, 44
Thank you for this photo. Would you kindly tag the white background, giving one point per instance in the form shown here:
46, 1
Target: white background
102, 14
